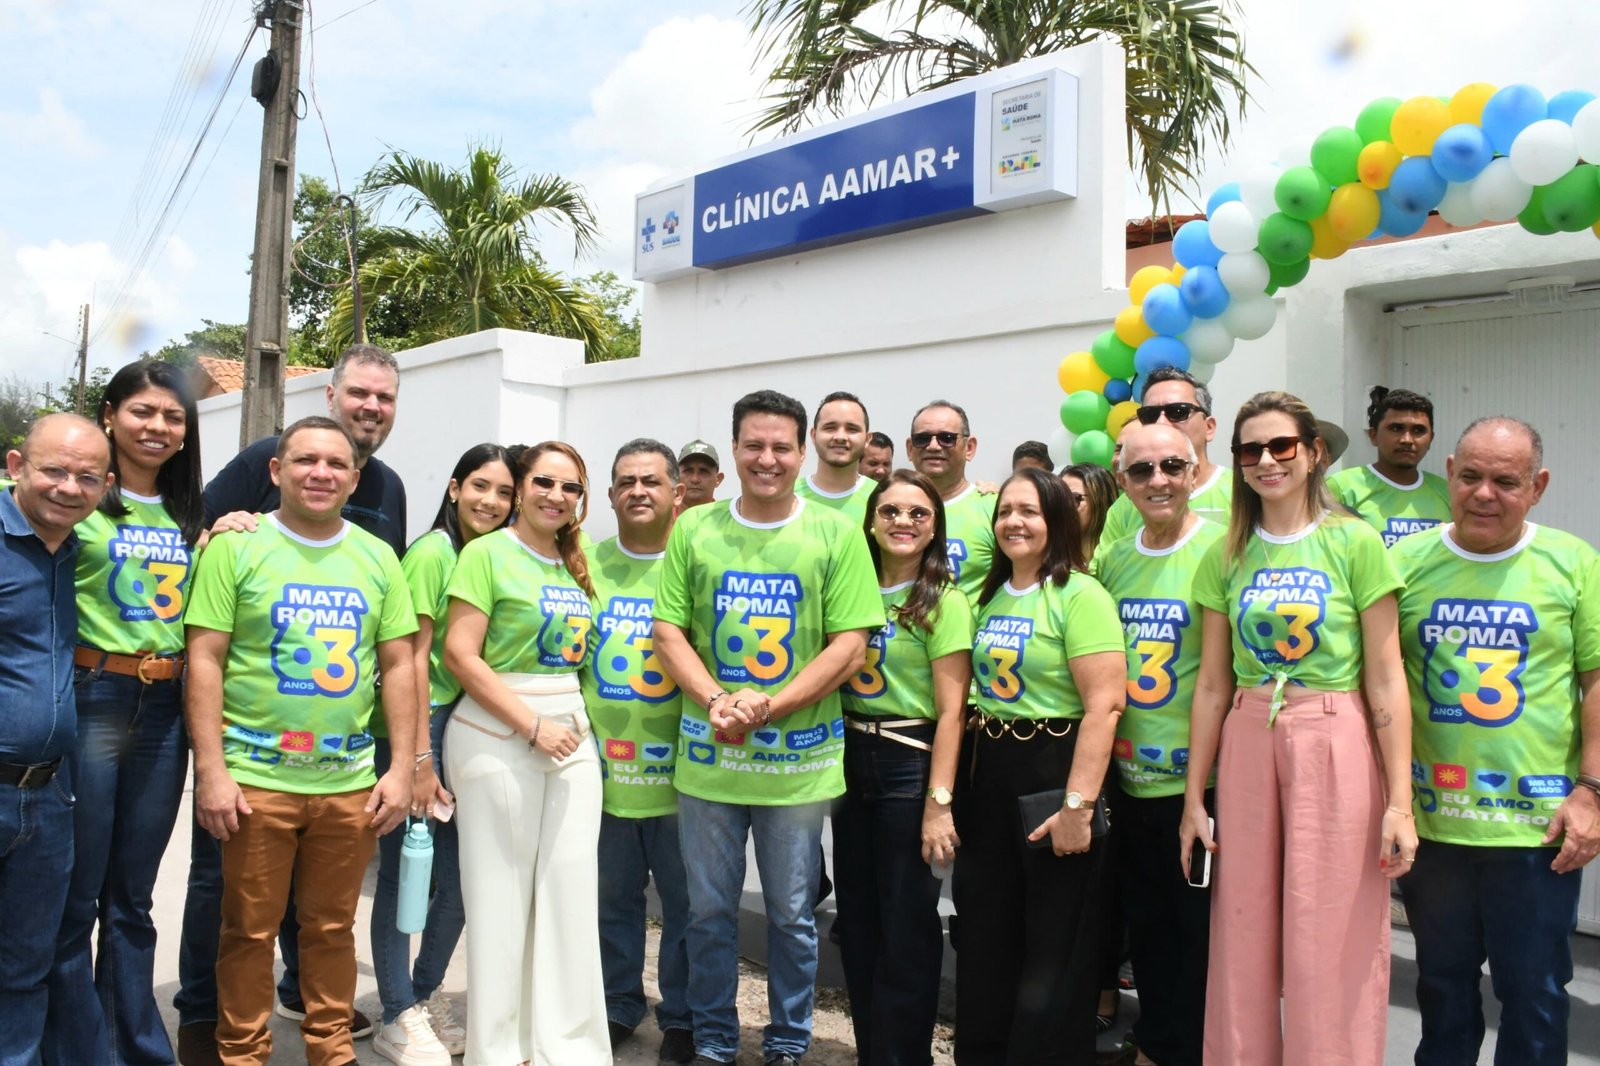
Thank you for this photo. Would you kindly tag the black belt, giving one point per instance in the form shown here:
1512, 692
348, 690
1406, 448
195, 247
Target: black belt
22, 776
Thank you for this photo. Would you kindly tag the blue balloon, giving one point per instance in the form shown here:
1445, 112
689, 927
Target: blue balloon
1192, 245
1461, 153
1565, 105
1117, 390
1224, 194
1138, 387
1158, 352
1164, 311
1203, 292
1416, 188
1509, 112
1395, 220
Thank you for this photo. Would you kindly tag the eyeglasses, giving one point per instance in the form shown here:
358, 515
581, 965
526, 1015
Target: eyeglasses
1282, 448
57, 475
890, 514
1171, 466
1176, 412
945, 437
544, 483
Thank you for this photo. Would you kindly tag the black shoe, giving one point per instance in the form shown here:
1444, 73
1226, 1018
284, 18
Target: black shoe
706, 1060
619, 1033
677, 1047
360, 1025
197, 1044
781, 1059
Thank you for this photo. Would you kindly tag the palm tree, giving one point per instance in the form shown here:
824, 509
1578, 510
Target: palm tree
478, 265
1185, 61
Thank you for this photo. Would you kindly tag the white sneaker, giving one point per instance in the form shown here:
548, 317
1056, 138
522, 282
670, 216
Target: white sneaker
442, 1017
409, 1041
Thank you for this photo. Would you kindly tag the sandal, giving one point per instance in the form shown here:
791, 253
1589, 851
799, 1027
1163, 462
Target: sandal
1103, 1023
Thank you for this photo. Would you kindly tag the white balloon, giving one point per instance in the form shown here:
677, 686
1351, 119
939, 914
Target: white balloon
1209, 342
1457, 208
1256, 189
1544, 151
1498, 194
1233, 227
1244, 273
1297, 153
1060, 445
1202, 372
1250, 319
1586, 131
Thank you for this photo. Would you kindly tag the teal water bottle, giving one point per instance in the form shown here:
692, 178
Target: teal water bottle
416, 876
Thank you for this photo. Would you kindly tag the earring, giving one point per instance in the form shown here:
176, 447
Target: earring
455, 499
108, 432
181, 444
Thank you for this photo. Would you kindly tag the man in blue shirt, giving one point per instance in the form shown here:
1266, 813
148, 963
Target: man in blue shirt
59, 473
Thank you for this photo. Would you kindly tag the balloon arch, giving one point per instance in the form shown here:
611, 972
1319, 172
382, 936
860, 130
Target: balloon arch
1484, 154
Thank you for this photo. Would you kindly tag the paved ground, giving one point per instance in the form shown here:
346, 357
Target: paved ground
834, 1045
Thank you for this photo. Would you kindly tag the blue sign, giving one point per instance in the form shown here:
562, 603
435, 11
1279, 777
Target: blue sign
909, 168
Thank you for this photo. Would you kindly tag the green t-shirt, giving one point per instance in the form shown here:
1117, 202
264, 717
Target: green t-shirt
539, 618
852, 504
427, 566
1154, 590
897, 680
1212, 501
1294, 603
633, 705
1393, 510
132, 578
305, 619
1493, 646
758, 601
1025, 639
969, 539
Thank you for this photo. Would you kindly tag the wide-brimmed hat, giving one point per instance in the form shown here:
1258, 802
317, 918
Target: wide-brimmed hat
1337, 440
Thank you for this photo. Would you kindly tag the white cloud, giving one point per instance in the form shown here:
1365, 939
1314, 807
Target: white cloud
52, 127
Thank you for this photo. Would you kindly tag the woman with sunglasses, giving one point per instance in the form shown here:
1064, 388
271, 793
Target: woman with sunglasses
1299, 619
1093, 490
1049, 661
527, 777
903, 714
128, 771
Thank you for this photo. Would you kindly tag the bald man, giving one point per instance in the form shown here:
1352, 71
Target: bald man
60, 471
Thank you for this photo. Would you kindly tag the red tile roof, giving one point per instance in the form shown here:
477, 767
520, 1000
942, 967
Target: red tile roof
227, 375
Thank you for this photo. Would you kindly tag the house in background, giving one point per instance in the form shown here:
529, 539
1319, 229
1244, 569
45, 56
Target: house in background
214, 376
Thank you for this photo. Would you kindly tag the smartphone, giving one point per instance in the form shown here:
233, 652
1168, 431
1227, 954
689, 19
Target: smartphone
1200, 858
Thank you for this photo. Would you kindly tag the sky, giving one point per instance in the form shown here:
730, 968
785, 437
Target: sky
101, 105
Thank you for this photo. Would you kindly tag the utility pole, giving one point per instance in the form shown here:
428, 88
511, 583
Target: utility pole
83, 359
275, 84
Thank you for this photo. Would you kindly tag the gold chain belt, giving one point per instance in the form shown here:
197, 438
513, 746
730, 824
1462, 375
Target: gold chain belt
1022, 728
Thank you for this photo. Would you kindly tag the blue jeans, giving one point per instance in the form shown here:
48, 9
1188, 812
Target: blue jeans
35, 867
128, 772
1468, 904
632, 850
891, 937
400, 985
788, 848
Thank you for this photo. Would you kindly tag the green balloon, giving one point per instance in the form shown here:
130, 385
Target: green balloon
1334, 154
1284, 240
1093, 447
1532, 217
1085, 410
1572, 201
1288, 275
1112, 355
1302, 193
1373, 122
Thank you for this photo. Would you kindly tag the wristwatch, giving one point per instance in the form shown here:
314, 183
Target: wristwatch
941, 795
1073, 802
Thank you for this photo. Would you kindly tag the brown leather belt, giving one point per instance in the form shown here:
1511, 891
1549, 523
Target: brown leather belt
148, 668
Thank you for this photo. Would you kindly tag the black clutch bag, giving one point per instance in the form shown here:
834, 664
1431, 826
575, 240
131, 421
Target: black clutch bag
1036, 807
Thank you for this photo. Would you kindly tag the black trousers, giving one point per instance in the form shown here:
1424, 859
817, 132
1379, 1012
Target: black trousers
1029, 943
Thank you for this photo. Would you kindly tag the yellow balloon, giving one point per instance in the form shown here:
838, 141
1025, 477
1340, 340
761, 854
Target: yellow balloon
1144, 279
1130, 327
1121, 414
1417, 123
1352, 213
1079, 371
1376, 164
1178, 271
1467, 104
1596, 228
1326, 244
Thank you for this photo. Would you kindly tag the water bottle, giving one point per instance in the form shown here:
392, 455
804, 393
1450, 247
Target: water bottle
416, 876
943, 870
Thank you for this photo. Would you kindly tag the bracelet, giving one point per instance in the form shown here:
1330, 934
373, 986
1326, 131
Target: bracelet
713, 698
1590, 782
533, 739
766, 716
424, 756
1401, 813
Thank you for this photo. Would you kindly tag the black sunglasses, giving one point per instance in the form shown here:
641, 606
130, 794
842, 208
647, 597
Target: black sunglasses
1175, 412
1141, 472
1282, 448
945, 437
544, 483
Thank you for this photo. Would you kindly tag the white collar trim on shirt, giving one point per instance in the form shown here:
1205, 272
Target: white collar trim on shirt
519, 542
344, 528
1216, 475
733, 509
1447, 533
963, 494
1013, 590
642, 556
137, 498
1156, 553
845, 495
1299, 534
1421, 480
891, 589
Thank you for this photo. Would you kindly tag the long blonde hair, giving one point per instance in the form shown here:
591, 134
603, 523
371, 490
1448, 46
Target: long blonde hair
567, 539
1246, 503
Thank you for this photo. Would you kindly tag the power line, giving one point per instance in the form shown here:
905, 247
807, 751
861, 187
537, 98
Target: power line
346, 15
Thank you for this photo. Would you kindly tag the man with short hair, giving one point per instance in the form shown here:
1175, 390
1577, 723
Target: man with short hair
634, 707
941, 445
1500, 626
878, 458
1178, 398
701, 473
1035, 453
839, 433
1392, 495
59, 472
771, 597
286, 626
